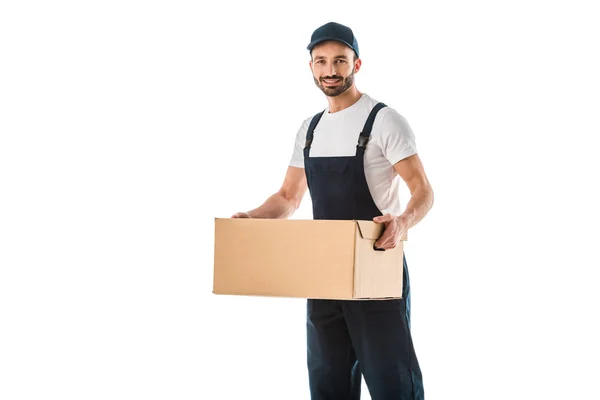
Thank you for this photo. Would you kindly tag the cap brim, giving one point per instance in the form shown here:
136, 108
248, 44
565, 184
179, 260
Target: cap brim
321, 40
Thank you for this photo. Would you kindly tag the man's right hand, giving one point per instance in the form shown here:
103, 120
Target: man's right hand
241, 215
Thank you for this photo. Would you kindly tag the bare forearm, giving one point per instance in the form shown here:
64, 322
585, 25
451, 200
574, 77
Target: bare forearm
419, 205
275, 207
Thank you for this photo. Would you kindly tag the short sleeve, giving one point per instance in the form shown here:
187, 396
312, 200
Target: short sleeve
297, 159
397, 139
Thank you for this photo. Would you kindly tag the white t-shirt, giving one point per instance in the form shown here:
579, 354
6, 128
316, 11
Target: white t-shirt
391, 140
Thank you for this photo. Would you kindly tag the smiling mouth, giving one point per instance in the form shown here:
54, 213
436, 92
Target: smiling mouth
331, 81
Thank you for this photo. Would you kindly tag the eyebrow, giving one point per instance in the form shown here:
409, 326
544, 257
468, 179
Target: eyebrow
336, 57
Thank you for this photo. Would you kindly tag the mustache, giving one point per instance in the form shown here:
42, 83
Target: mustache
331, 77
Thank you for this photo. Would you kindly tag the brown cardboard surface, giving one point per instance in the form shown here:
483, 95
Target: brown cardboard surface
377, 274
304, 258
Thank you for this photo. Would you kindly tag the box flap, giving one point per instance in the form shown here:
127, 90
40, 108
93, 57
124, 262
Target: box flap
372, 230
369, 229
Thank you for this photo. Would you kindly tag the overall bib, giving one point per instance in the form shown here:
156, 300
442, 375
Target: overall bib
348, 337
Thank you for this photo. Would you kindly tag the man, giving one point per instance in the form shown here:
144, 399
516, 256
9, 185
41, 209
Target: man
351, 157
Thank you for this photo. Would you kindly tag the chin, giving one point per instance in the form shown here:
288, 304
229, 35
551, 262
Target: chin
332, 92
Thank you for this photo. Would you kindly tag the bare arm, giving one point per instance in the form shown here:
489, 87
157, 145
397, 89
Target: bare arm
421, 200
283, 203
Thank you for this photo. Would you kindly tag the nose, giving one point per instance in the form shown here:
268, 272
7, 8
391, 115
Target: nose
332, 69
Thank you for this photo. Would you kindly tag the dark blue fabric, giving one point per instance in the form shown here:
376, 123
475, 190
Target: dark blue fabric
334, 31
348, 337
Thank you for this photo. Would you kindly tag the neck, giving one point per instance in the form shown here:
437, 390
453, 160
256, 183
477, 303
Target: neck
344, 100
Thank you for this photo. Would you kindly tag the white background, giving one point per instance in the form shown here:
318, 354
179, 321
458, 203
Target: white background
127, 127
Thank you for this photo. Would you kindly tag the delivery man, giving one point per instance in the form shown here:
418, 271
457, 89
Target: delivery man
351, 156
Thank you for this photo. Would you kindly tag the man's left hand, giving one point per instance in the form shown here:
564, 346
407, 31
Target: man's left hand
395, 228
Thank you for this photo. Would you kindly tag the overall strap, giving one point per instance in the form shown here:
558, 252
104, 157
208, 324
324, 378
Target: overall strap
309, 133
363, 139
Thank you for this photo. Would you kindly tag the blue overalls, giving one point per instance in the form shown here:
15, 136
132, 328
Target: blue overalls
348, 337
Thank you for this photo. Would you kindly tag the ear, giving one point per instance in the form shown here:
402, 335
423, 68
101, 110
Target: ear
310, 64
357, 65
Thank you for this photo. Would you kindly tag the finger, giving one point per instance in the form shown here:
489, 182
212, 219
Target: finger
390, 245
394, 243
386, 245
387, 241
384, 218
383, 246
388, 232
383, 240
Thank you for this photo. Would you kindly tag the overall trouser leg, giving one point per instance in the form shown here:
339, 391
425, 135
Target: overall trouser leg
380, 334
332, 364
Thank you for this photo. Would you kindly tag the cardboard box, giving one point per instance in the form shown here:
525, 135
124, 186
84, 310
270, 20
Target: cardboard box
319, 259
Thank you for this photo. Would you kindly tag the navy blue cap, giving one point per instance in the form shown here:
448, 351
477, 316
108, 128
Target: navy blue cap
334, 31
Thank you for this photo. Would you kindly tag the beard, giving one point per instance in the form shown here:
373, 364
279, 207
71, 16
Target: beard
345, 83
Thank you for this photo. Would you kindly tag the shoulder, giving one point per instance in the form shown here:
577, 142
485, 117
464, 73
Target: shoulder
387, 113
306, 122
392, 120
303, 129
389, 120
392, 133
